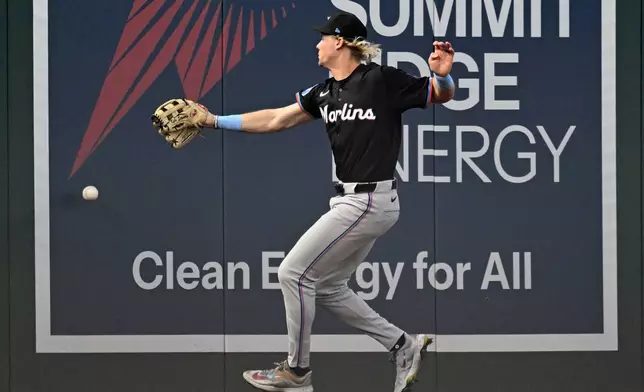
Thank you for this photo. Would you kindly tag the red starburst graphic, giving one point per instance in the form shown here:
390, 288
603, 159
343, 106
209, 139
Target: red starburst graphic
201, 59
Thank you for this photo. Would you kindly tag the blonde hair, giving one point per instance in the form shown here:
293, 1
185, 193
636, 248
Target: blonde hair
363, 49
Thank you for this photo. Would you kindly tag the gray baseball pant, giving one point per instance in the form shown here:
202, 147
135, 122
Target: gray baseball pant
320, 264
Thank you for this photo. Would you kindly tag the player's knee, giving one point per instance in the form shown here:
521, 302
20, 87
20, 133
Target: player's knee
286, 275
327, 291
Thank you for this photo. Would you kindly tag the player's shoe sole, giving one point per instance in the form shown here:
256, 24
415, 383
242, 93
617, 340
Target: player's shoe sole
412, 376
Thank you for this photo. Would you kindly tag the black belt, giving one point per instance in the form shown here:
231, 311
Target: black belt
362, 187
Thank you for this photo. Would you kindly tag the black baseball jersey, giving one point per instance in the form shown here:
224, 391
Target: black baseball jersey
363, 114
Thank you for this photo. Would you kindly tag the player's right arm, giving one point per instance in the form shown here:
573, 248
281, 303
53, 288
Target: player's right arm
261, 121
271, 120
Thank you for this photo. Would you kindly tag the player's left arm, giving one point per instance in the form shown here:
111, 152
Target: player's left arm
440, 62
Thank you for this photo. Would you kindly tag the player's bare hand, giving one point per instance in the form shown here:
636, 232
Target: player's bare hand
442, 58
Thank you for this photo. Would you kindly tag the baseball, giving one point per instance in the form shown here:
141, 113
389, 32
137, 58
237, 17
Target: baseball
90, 193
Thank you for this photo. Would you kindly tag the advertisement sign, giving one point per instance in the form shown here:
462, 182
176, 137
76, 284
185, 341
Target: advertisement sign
507, 234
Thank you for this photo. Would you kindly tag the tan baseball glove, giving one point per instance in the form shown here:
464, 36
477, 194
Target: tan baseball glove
179, 120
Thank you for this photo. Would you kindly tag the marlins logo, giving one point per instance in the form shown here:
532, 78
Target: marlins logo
347, 113
204, 38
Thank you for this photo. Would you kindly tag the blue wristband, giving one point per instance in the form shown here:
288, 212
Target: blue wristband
233, 122
444, 82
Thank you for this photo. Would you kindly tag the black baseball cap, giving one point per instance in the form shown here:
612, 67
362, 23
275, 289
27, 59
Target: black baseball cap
343, 24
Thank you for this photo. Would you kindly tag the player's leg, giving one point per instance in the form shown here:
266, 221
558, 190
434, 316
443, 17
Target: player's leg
319, 252
334, 294
348, 225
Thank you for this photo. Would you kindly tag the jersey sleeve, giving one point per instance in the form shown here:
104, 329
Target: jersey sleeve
405, 90
308, 100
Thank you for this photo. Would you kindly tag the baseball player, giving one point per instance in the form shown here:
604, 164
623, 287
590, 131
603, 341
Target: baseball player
361, 106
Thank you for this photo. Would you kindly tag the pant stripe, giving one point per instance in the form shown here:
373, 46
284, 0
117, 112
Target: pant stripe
306, 271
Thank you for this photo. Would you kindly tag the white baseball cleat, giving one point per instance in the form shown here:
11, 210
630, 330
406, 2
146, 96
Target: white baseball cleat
408, 360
